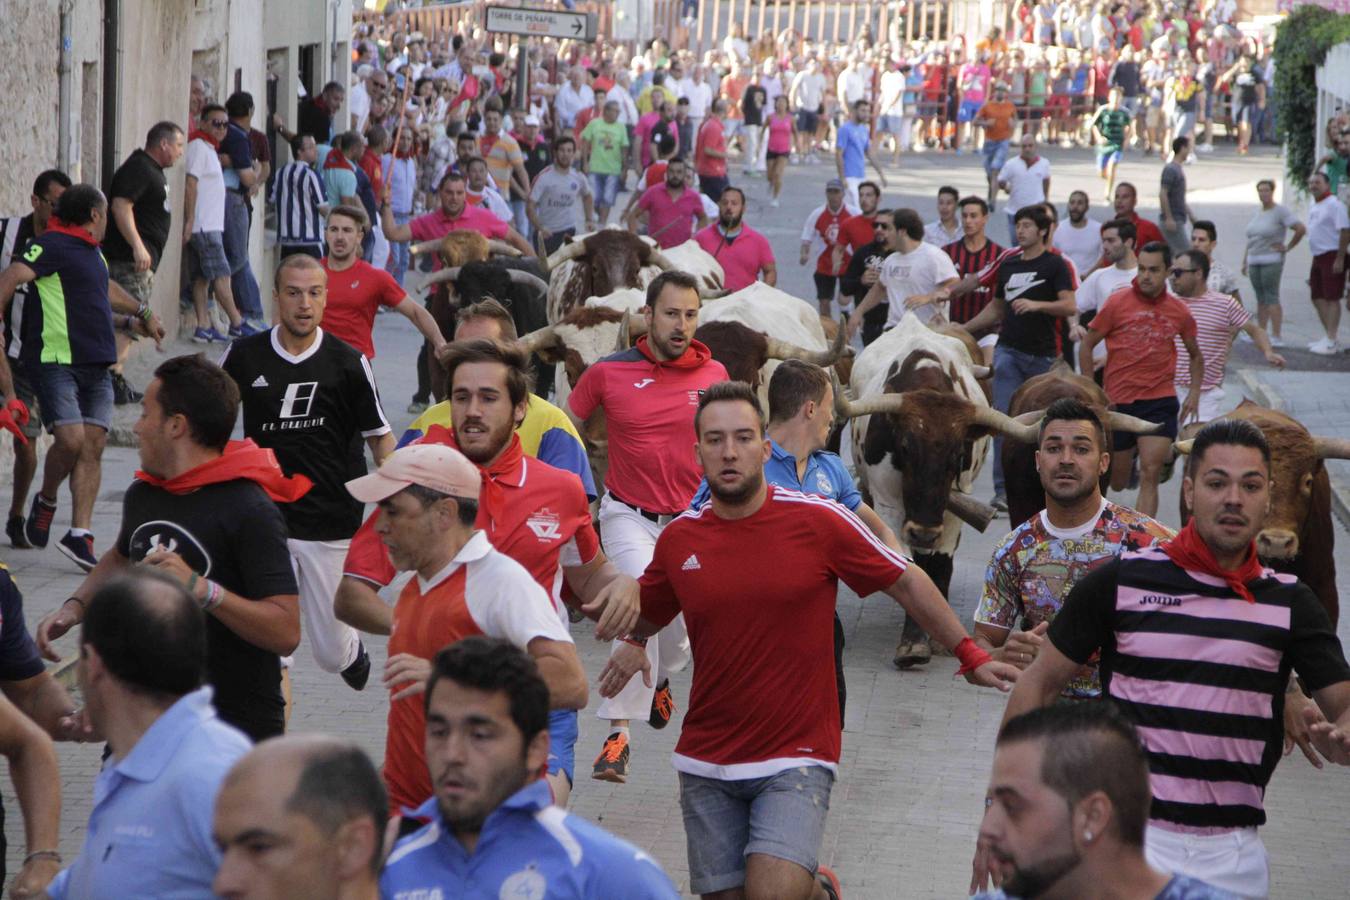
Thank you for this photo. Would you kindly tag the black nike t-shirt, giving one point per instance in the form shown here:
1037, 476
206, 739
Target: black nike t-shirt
233, 534
1041, 279
314, 411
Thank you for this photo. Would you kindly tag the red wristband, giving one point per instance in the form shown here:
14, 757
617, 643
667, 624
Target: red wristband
970, 655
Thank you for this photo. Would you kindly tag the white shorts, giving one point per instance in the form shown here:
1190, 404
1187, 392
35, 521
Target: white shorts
1212, 405
1234, 861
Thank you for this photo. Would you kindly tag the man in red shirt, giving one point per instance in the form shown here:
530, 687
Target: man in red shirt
455, 214
356, 289
648, 395
824, 228
1139, 324
1125, 199
755, 774
710, 152
744, 254
669, 209
860, 230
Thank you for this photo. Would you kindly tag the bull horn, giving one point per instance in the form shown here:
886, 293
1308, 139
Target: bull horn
780, 349
981, 372
624, 340
1130, 424
425, 247
712, 294
1030, 418
1184, 447
539, 339
1331, 448
502, 248
443, 275
971, 511
520, 276
656, 258
563, 254
869, 406
1008, 426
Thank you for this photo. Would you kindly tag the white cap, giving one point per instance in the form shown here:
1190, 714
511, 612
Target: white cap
434, 466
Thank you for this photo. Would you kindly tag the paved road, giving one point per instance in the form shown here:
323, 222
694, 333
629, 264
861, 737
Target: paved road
917, 744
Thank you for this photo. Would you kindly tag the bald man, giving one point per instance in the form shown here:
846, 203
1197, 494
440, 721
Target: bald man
301, 817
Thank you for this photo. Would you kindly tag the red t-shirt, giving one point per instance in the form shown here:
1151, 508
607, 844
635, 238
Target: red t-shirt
857, 232
747, 612
670, 222
355, 295
649, 414
583, 119
437, 224
710, 137
1145, 232
829, 225
1141, 356
654, 174
742, 258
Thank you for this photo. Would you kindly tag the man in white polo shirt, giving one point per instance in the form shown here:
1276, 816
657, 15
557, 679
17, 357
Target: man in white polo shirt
1026, 180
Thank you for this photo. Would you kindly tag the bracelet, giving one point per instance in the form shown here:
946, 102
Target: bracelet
77, 600
145, 312
215, 595
970, 655
43, 854
192, 585
640, 643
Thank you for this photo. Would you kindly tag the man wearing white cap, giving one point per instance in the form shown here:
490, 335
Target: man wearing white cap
428, 498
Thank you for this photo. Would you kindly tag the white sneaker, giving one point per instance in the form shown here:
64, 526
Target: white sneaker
1276, 341
1324, 347
774, 204
1204, 148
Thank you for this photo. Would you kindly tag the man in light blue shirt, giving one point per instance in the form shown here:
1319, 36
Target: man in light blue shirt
801, 415
491, 827
142, 648
853, 150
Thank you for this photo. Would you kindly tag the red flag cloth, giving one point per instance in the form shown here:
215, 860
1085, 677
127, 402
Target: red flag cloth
1190, 551
241, 460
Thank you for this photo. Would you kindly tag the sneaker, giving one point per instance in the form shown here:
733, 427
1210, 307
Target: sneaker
205, 335
663, 706
1204, 148
612, 763
14, 529
123, 393
999, 503
417, 407
774, 204
1276, 341
79, 550
829, 882
242, 330
38, 528
358, 672
1324, 347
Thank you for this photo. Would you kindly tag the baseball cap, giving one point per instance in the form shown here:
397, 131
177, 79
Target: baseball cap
834, 184
532, 120
434, 466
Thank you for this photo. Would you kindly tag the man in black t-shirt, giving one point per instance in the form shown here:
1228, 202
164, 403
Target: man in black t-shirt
311, 399
864, 268
1034, 290
202, 511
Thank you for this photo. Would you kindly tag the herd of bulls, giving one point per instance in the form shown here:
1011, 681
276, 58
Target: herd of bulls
916, 401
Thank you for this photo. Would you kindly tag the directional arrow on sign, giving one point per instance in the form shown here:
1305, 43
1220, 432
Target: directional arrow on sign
576, 27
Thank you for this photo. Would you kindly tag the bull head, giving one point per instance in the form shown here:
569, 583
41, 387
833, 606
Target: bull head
982, 416
516, 275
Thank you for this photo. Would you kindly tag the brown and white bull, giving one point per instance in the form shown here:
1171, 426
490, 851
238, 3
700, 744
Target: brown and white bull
1025, 495
1298, 537
921, 424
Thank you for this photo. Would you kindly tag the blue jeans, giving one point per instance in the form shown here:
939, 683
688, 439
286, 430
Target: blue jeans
80, 394
399, 255
1011, 369
521, 219
242, 283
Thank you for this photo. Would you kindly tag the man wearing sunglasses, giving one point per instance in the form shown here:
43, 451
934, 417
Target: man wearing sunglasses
865, 267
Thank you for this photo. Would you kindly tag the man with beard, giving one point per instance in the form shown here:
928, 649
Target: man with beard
669, 209
1067, 807
486, 736
531, 512
823, 228
1192, 628
1037, 565
454, 213
647, 394
1080, 239
755, 774
311, 399
745, 254
864, 269
1117, 245
971, 254
1145, 231
428, 496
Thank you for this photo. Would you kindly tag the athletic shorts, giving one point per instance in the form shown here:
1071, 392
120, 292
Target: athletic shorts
825, 285
889, 125
1162, 410
562, 742
206, 255
1326, 283
782, 816
777, 154
1106, 156
75, 395
968, 110
1245, 112
807, 121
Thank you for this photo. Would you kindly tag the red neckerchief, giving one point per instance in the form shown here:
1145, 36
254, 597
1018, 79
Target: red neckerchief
1189, 551
693, 357
336, 160
199, 135
75, 231
241, 460
506, 469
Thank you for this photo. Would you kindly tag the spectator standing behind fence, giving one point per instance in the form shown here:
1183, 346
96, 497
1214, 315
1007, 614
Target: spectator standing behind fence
572, 98
298, 197
1026, 180
399, 169
1263, 258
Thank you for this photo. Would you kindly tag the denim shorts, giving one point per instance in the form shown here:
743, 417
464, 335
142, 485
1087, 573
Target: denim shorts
562, 742
605, 188
995, 155
888, 125
206, 255
782, 816
24, 390
75, 395
968, 110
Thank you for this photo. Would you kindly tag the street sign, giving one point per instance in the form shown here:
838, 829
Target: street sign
541, 22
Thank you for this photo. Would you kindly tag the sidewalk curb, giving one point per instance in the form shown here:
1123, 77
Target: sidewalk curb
1268, 396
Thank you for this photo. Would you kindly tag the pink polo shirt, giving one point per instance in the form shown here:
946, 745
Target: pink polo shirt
437, 224
742, 257
670, 222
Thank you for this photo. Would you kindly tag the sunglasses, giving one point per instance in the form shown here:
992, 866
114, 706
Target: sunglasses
218, 123
1176, 272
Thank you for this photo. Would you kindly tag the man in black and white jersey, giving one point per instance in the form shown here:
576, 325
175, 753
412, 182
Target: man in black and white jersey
15, 233
298, 195
312, 400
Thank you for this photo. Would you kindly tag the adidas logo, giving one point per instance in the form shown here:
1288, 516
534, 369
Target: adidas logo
260, 382
691, 563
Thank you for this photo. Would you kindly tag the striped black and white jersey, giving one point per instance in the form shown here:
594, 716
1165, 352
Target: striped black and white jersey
297, 194
15, 234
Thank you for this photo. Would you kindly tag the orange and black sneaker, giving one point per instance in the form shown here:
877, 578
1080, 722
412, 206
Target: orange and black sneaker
612, 763
830, 882
663, 706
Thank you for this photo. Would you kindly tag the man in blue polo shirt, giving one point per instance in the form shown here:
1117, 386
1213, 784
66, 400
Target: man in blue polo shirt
491, 829
149, 835
801, 414
68, 345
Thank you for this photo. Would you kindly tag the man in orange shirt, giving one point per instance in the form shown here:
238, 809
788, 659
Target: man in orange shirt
996, 118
